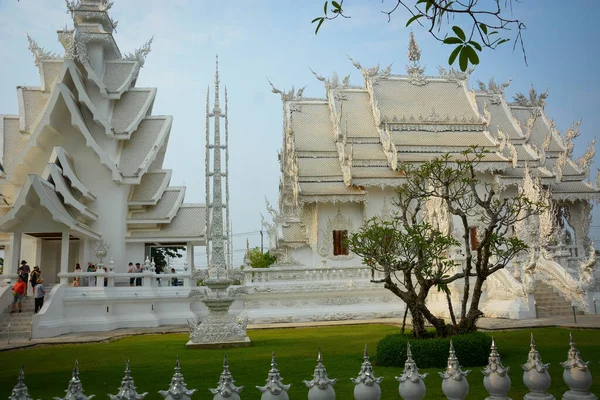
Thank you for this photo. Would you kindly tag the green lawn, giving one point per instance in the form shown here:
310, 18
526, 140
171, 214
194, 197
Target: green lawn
48, 369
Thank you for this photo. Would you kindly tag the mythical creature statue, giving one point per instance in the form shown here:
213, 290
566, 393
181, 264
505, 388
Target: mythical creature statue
586, 269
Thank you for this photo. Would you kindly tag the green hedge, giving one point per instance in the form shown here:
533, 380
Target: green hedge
472, 350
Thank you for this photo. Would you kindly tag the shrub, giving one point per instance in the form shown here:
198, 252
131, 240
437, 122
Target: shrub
471, 349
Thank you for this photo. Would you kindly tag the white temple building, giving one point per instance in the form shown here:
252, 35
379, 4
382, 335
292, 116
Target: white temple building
83, 158
82, 179
339, 169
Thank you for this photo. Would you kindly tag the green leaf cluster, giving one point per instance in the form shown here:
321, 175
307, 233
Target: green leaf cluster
162, 254
259, 259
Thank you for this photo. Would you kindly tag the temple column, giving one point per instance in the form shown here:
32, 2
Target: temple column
64, 256
15, 255
38, 251
84, 252
190, 256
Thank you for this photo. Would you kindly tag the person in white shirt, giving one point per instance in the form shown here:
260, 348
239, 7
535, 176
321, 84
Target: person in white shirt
40, 292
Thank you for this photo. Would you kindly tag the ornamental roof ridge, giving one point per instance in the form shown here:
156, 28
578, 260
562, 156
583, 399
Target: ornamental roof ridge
291, 94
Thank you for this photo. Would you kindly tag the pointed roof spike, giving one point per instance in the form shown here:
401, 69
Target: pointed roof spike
21, 380
177, 388
319, 356
273, 362
532, 345
571, 340
414, 53
217, 108
366, 354
127, 370
225, 362
451, 347
408, 352
76, 370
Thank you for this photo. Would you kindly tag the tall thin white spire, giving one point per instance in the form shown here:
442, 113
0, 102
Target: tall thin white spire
207, 173
226, 174
217, 262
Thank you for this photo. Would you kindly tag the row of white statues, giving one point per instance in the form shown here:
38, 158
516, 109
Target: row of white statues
412, 387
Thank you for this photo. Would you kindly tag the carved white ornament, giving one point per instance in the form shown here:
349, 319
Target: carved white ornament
338, 223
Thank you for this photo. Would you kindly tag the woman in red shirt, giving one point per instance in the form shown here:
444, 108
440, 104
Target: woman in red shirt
18, 292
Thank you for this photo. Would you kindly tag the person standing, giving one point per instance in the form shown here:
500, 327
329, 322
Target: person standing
18, 292
25, 270
39, 293
35, 275
131, 270
174, 280
91, 279
76, 282
138, 270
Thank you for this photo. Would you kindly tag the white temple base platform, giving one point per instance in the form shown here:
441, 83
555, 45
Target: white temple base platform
90, 309
222, 345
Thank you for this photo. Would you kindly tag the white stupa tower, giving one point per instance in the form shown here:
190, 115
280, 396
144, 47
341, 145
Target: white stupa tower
219, 328
217, 221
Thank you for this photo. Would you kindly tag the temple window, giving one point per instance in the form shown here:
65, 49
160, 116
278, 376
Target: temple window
474, 240
340, 243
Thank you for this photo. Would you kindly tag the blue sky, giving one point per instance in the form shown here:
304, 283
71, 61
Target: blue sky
260, 39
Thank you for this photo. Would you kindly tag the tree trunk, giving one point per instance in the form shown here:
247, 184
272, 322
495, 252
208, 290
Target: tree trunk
418, 322
450, 308
469, 322
404, 320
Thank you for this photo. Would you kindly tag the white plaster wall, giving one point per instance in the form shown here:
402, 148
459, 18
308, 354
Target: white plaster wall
29, 250
50, 263
377, 197
135, 252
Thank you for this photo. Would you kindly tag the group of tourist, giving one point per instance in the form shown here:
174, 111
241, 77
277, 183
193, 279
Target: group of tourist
139, 268
20, 287
89, 280
132, 269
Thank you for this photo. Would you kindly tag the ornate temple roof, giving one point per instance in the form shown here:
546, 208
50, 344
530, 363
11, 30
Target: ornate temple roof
357, 135
84, 102
151, 188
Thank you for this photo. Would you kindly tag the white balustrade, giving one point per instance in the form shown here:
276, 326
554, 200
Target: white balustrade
149, 279
576, 375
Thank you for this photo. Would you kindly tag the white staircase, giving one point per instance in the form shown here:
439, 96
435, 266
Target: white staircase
550, 303
20, 322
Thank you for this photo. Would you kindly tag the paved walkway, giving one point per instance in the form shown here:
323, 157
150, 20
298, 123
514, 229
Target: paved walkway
485, 324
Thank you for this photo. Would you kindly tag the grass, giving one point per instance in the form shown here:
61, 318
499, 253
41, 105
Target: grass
48, 369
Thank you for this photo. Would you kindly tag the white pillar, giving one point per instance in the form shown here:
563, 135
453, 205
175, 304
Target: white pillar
38, 251
64, 256
190, 256
84, 253
15, 255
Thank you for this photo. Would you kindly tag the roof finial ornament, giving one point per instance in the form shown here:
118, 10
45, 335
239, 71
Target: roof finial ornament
414, 70
140, 54
39, 53
414, 53
217, 108
20, 392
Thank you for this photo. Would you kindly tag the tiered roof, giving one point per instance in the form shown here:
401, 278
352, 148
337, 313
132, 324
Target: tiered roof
355, 137
101, 102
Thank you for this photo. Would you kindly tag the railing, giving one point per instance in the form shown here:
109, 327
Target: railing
496, 381
559, 278
571, 251
357, 273
111, 279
